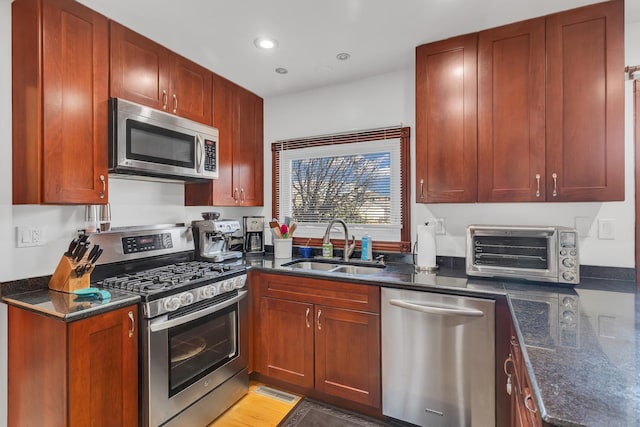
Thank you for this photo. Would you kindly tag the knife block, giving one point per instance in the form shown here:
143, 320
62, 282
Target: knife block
65, 279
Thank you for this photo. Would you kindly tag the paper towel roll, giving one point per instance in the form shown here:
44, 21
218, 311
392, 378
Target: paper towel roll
426, 256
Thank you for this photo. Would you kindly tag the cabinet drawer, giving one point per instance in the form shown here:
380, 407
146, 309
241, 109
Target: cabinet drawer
318, 291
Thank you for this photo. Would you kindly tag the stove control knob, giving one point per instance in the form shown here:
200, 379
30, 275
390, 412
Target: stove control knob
240, 281
186, 298
208, 291
228, 285
568, 262
171, 303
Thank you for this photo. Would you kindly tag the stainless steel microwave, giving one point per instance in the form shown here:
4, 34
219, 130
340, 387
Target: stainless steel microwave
546, 254
149, 143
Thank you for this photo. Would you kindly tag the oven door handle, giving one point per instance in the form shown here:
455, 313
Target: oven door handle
162, 325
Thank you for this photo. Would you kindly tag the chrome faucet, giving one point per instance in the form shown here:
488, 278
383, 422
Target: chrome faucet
348, 248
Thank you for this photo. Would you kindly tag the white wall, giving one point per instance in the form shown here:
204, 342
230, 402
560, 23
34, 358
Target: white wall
389, 99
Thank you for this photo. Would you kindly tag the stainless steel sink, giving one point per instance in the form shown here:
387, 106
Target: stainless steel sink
332, 267
310, 265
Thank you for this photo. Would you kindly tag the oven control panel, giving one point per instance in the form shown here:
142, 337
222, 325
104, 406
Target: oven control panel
146, 243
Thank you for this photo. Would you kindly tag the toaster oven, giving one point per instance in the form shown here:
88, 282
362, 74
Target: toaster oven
538, 253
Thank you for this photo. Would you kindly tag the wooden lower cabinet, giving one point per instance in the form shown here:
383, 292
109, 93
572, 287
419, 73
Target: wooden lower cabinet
312, 335
523, 407
82, 373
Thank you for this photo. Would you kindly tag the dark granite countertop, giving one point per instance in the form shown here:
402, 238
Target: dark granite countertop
34, 295
581, 344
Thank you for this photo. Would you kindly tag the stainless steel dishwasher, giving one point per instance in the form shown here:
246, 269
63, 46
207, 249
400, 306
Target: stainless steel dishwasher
438, 358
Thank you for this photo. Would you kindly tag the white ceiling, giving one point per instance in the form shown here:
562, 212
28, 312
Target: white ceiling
380, 35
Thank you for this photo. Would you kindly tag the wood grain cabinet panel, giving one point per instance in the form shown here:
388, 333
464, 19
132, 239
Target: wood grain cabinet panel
287, 344
511, 145
82, 373
585, 103
446, 120
239, 116
311, 336
345, 364
60, 73
146, 72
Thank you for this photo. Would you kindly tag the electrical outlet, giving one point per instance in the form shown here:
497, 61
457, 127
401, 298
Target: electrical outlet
440, 226
27, 236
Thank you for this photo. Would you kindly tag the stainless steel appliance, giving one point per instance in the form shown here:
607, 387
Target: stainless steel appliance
193, 328
213, 239
150, 143
438, 359
253, 227
546, 254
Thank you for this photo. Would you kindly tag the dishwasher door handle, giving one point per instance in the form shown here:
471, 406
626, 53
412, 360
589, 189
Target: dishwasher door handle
444, 310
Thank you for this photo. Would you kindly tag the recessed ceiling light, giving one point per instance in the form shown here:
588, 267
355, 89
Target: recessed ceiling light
281, 70
265, 43
343, 56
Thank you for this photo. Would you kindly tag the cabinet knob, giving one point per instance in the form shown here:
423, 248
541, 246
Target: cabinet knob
235, 195
175, 103
527, 399
555, 184
422, 189
538, 184
242, 196
164, 99
306, 318
319, 324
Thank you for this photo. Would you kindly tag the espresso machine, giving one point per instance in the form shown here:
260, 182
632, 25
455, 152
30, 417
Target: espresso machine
253, 227
212, 238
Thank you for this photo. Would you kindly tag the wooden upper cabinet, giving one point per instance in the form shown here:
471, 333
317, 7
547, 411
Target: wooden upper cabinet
60, 82
585, 103
238, 115
139, 68
446, 120
145, 72
511, 105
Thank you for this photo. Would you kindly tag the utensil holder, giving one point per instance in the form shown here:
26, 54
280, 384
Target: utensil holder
282, 248
65, 279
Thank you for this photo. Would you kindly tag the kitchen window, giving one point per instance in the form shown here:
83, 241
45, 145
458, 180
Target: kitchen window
360, 177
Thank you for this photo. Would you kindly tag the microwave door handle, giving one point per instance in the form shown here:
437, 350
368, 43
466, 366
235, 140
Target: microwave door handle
160, 326
199, 154
438, 310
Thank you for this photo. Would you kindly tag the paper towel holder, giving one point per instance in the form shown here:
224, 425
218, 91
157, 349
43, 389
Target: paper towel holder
420, 267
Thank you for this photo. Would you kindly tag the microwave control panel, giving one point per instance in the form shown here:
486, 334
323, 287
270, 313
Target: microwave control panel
568, 264
210, 155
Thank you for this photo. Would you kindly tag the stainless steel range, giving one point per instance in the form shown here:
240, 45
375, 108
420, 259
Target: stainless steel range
193, 327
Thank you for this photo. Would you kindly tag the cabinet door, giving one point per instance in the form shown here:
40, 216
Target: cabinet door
139, 68
248, 157
60, 92
286, 341
511, 148
348, 354
103, 369
190, 90
446, 120
585, 104
238, 115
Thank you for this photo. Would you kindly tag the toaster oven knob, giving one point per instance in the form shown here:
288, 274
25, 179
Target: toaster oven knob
186, 298
171, 303
568, 262
568, 276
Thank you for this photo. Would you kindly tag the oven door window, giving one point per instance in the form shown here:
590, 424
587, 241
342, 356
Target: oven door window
154, 144
202, 346
511, 252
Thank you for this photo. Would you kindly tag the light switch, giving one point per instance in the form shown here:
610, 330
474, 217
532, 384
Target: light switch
606, 229
27, 236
